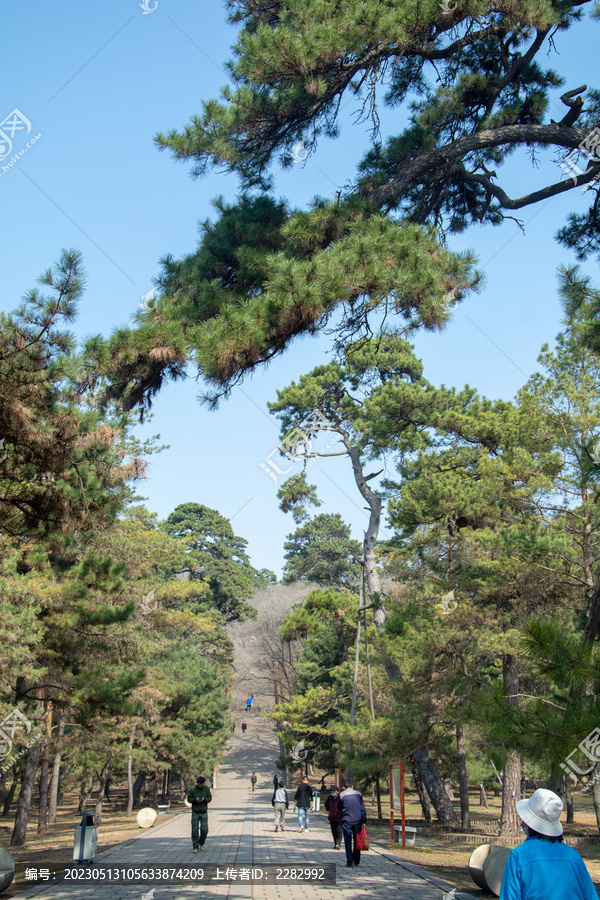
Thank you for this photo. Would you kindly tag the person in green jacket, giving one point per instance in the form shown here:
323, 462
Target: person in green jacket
199, 796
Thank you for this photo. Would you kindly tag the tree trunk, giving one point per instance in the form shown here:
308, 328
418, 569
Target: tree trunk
596, 793
371, 533
45, 758
568, 801
483, 800
102, 788
84, 792
11, 794
462, 779
60, 739
378, 794
510, 823
435, 788
138, 785
425, 805
129, 778
19, 835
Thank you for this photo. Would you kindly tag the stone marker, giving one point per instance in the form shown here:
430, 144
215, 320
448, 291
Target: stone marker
146, 817
7, 869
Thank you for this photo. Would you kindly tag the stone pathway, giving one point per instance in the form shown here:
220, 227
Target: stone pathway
241, 833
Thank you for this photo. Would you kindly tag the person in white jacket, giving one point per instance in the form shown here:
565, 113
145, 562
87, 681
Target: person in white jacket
280, 803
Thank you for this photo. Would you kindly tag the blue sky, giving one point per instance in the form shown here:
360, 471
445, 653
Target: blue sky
97, 80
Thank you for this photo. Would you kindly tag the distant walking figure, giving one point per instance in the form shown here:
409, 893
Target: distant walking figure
542, 866
303, 799
244, 726
253, 780
249, 702
280, 803
275, 782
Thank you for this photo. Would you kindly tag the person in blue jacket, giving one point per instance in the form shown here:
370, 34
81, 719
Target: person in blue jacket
542, 867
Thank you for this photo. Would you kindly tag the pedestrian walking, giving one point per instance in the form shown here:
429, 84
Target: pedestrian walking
253, 780
354, 816
275, 782
280, 803
303, 799
334, 814
199, 796
244, 726
542, 866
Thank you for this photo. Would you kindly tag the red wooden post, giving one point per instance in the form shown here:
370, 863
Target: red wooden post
402, 806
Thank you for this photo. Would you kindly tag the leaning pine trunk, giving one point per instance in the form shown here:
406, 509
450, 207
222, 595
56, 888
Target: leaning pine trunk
435, 788
85, 790
510, 822
19, 835
424, 799
102, 788
60, 739
11, 794
462, 779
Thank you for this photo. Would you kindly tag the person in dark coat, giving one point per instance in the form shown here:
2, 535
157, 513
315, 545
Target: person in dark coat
354, 816
199, 796
334, 815
275, 782
303, 799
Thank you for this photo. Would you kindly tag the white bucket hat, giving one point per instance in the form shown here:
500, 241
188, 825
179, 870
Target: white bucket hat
542, 812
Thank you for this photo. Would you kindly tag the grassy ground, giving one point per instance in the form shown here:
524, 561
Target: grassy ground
448, 860
54, 850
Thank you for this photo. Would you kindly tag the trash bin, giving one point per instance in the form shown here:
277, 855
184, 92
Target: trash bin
316, 801
86, 839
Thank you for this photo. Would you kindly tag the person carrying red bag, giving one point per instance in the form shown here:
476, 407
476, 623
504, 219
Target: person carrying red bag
354, 816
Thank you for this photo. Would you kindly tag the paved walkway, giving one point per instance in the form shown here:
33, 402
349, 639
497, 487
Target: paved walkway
241, 833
